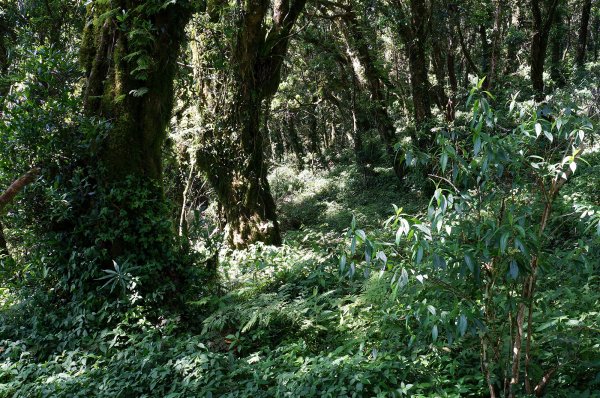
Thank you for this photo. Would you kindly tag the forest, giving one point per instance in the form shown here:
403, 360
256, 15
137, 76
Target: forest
299, 198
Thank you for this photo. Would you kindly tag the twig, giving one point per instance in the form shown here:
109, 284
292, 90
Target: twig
447, 180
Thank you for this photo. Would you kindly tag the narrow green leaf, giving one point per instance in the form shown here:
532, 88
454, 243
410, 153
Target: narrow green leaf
462, 325
504, 241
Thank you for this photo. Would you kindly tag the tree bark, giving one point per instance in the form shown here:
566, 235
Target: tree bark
486, 53
439, 68
583, 33
278, 142
232, 155
452, 79
596, 36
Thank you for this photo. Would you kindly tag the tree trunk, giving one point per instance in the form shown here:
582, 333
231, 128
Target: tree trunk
486, 53
556, 50
268, 145
3, 245
583, 33
232, 155
313, 133
357, 129
415, 37
241, 181
439, 68
452, 79
496, 46
8, 196
539, 43
369, 78
294, 138
6, 38
596, 36
278, 141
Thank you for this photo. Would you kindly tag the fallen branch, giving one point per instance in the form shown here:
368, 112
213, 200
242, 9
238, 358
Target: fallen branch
17, 186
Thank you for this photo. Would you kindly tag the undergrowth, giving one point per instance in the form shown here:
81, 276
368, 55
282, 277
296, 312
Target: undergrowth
290, 323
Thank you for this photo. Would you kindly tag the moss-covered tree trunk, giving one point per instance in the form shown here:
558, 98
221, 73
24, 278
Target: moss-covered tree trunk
130, 50
130, 69
232, 155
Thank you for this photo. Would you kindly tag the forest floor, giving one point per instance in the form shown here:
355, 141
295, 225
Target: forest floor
289, 322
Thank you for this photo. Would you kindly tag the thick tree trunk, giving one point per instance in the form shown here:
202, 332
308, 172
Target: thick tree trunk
135, 94
241, 181
583, 33
130, 85
233, 155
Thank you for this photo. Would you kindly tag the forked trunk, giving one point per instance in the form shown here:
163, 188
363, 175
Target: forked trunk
232, 155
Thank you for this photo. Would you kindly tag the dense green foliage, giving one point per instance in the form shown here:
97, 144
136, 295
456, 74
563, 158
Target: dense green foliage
299, 198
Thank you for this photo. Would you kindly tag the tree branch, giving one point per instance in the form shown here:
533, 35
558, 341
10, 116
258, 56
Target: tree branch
17, 186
